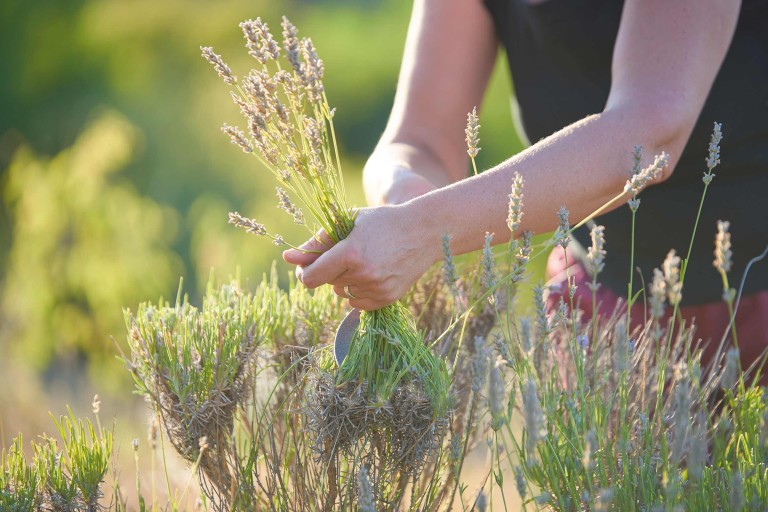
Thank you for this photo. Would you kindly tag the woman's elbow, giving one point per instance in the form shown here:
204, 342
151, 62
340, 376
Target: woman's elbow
661, 126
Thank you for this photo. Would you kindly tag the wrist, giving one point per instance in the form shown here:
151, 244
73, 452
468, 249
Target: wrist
422, 229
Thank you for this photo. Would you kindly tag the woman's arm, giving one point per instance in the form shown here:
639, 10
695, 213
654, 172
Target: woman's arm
449, 55
666, 57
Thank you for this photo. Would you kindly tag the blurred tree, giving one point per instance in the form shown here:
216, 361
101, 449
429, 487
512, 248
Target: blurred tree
84, 245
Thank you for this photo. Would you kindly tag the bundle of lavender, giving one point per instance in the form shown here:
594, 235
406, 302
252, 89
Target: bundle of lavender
290, 129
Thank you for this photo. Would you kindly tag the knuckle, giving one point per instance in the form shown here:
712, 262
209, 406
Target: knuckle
352, 257
309, 280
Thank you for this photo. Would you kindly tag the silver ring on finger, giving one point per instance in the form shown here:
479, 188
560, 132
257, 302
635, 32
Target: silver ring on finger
348, 293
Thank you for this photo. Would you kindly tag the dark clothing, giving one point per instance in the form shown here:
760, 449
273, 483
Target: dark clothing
559, 53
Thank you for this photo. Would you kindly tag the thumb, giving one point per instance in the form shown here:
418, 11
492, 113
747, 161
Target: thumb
309, 251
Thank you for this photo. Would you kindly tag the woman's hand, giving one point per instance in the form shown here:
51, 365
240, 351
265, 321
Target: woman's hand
378, 262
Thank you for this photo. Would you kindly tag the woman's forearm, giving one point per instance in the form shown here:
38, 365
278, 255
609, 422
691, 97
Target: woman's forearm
580, 167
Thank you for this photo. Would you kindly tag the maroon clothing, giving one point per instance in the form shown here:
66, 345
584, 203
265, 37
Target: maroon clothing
711, 320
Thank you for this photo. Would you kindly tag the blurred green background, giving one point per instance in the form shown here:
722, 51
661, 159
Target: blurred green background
116, 181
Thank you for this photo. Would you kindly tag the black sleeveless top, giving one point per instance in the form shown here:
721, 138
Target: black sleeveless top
559, 54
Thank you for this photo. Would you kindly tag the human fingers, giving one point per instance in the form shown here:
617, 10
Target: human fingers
347, 291
365, 292
309, 251
326, 268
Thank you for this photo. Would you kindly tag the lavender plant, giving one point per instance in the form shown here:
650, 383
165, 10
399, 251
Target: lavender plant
196, 368
616, 419
290, 129
612, 418
255, 450
58, 478
245, 389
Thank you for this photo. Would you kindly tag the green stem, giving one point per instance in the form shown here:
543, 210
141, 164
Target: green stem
684, 264
631, 273
729, 302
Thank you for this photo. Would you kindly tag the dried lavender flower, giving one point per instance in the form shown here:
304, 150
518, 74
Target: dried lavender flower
674, 287
202, 444
285, 203
502, 348
515, 214
683, 400
637, 159
542, 322
312, 70
238, 138
259, 41
522, 257
449, 268
535, 422
634, 203
489, 267
472, 132
562, 235
520, 482
732, 369
714, 152
479, 364
250, 225
314, 134
698, 453
596, 253
526, 339
496, 396
658, 295
638, 181
620, 348
291, 44
219, 65
723, 253
456, 448
96, 404
261, 89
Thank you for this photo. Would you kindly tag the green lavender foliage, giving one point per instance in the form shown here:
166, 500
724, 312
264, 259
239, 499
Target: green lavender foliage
195, 350
189, 351
620, 419
64, 474
18, 480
